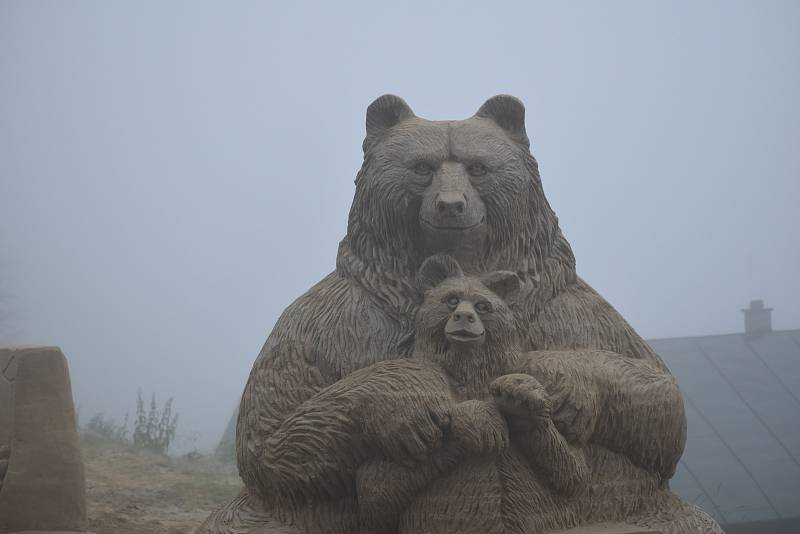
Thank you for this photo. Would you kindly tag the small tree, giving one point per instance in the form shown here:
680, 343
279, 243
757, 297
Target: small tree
155, 429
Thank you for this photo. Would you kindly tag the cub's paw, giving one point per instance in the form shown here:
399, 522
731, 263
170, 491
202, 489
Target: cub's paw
478, 427
522, 399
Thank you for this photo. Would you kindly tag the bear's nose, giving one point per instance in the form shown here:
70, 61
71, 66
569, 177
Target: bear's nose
451, 204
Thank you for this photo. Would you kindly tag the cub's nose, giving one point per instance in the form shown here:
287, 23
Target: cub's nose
464, 315
464, 326
451, 204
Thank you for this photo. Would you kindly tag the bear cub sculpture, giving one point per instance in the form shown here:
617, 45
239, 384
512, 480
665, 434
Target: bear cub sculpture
499, 432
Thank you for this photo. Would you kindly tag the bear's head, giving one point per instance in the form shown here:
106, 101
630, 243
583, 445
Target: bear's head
464, 323
467, 188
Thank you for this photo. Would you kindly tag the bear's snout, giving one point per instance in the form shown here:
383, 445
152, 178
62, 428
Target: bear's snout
451, 203
464, 325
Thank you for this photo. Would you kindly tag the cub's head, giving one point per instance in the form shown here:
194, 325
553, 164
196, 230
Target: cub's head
467, 188
464, 321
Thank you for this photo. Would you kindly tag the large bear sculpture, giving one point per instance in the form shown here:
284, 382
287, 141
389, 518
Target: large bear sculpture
469, 189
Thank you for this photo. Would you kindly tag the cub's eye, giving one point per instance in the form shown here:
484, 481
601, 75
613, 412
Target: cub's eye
452, 302
423, 169
476, 169
483, 307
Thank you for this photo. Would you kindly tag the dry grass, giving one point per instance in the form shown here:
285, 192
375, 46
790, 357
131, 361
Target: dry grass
133, 491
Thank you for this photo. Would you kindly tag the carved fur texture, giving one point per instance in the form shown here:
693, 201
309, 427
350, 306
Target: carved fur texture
469, 189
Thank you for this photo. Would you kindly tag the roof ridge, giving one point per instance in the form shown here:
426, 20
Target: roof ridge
790, 330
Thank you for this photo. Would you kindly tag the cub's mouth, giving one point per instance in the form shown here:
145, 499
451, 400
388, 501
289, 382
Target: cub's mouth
465, 336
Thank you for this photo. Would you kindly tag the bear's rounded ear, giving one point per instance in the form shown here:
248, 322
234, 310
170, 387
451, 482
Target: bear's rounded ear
504, 284
436, 270
509, 113
386, 111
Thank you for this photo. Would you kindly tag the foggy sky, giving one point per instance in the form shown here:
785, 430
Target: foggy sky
173, 175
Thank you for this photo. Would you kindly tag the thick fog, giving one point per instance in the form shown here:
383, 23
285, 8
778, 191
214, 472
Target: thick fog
172, 175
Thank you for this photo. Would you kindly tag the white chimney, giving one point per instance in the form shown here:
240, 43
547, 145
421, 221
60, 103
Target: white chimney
757, 319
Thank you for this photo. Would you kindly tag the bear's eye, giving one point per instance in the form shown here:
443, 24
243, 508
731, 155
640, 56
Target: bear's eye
483, 307
452, 302
476, 169
423, 168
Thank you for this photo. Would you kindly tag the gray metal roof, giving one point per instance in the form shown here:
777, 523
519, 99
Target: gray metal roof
742, 395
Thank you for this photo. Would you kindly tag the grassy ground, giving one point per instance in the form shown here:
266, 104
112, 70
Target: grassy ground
132, 491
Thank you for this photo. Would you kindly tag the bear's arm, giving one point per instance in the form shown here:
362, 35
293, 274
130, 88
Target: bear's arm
319, 339
314, 450
629, 406
643, 406
282, 379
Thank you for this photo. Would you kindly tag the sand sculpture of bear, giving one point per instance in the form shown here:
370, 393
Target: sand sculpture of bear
469, 189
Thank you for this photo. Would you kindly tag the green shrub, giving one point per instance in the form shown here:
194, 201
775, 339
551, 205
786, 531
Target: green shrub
155, 429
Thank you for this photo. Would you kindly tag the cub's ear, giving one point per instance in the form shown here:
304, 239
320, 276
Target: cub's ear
504, 284
509, 113
436, 270
386, 111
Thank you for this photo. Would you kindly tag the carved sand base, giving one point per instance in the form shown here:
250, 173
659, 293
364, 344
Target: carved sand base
44, 488
245, 515
609, 528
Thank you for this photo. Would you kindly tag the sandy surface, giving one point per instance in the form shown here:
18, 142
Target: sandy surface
130, 491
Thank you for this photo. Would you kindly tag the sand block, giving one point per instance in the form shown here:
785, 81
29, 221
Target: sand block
44, 488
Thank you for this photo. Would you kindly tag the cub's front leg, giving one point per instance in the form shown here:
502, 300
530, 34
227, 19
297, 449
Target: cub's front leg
526, 405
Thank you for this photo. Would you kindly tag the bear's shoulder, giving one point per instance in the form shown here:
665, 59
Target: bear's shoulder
580, 318
341, 326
